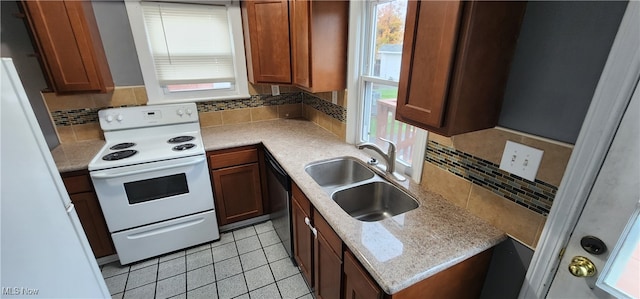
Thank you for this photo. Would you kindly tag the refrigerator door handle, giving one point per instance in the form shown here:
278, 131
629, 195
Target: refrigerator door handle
69, 207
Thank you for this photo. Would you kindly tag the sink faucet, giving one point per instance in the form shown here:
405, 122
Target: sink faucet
389, 156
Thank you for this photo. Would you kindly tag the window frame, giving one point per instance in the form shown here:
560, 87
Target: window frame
362, 16
159, 94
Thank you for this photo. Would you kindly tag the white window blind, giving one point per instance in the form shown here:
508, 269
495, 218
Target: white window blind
183, 51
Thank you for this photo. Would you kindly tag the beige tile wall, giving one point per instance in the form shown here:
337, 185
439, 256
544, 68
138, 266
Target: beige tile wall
136, 95
489, 145
245, 115
330, 124
256, 89
519, 222
341, 97
327, 122
130, 95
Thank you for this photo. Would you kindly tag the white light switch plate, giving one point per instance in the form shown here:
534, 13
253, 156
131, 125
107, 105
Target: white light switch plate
275, 90
521, 160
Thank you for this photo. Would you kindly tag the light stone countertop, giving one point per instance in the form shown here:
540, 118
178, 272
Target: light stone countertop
75, 156
398, 252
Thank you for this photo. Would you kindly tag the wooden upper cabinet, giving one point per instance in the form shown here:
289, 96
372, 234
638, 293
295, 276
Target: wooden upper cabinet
319, 34
67, 37
455, 63
300, 42
297, 42
266, 38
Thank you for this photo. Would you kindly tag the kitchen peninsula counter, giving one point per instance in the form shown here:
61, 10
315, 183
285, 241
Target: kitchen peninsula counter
398, 252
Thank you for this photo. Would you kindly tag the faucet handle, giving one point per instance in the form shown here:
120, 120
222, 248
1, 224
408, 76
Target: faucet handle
392, 145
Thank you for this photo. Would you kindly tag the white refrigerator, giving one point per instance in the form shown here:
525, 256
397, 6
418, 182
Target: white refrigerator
44, 252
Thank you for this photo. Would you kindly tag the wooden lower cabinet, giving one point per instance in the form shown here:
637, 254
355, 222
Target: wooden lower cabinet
237, 192
302, 234
87, 207
327, 260
334, 272
357, 282
237, 184
316, 248
463, 280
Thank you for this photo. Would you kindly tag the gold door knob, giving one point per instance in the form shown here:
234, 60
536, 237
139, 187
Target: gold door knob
581, 266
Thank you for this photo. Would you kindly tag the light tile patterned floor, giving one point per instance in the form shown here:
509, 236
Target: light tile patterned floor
250, 262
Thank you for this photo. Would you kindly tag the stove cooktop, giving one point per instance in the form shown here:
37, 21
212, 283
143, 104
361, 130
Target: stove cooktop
154, 148
143, 134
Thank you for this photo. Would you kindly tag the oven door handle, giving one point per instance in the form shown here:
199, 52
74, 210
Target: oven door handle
109, 175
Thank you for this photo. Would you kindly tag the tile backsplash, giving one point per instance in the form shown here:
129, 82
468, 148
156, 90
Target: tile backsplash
465, 170
536, 196
76, 116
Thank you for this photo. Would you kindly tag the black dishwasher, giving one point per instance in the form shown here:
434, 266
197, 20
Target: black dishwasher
279, 184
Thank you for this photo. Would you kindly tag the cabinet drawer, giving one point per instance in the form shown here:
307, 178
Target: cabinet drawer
237, 157
327, 232
301, 199
77, 184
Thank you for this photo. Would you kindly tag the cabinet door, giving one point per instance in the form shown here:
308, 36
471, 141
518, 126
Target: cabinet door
266, 25
237, 193
357, 283
302, 238
429, 43
455, 63
300, 43
67, 37
93, 223
319, 31
327, 260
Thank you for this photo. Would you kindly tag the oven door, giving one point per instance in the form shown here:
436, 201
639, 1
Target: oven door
142, 194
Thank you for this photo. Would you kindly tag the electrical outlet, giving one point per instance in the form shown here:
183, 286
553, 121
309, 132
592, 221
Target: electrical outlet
334, 97
521, 160
275, 90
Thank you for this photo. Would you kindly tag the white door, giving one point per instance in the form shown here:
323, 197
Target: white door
610, 205
599, 191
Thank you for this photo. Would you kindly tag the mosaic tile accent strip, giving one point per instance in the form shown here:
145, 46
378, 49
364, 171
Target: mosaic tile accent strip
75, 116
336, 111
254, 101
536, 196
90, 115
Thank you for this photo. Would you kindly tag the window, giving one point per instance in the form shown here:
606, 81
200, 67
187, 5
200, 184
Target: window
375, 61
189, 52
622, 269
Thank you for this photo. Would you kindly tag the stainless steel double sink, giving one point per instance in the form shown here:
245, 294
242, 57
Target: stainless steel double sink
359, 191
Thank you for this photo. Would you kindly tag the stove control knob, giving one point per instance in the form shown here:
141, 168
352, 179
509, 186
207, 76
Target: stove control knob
180, 112
119, 117
109, 118
189, 112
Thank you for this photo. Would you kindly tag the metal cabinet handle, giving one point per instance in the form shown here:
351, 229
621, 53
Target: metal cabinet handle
313, 229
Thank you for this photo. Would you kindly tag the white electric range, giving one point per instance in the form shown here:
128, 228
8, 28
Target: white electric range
152, 180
